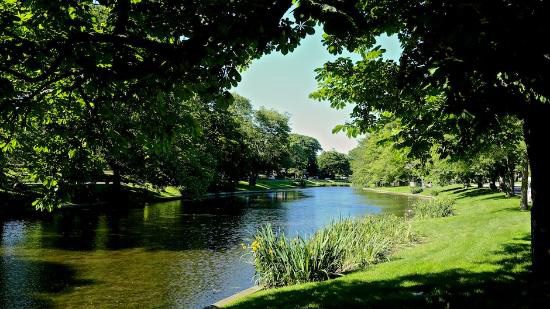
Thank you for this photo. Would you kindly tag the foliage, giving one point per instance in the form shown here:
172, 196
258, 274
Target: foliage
265, 137
303, 155
434, 208
441, 85
416, 190
340, 247
333, 163
381, 160
89, 86
272, 133
195, 145
87, 45
464, 67
376, 161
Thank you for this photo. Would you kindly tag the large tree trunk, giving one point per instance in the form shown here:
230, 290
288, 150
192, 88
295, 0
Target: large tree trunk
492, 184
117, 181
511, 181
524, 205
536, 138
252, 179
510, 176
502, 186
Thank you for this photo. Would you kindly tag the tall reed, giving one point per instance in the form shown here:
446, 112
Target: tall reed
340, 247
433, 208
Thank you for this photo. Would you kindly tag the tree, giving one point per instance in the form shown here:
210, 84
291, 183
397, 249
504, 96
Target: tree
97, 81
265, 137
90, 44
333, 163
377, 161
464, 66
303, 154
269, 141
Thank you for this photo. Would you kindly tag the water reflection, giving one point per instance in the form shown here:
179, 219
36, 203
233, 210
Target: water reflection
173, 254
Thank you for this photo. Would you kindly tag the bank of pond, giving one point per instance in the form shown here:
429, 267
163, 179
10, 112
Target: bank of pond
166, 254
479, 257
20, 200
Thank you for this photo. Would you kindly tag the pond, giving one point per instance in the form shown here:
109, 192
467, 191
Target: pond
172, 254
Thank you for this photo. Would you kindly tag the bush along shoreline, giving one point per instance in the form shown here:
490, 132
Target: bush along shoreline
433, 208
343, 246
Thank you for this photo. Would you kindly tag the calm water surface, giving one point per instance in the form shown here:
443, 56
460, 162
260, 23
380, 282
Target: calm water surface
170, 254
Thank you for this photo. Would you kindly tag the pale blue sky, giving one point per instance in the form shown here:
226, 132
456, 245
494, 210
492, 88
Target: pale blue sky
284, 83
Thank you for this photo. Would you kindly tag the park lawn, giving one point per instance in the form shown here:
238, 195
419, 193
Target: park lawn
279, 184
478, 257
406, 189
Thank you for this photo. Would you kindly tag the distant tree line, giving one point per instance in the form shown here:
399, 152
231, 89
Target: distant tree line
195, 145
379, 160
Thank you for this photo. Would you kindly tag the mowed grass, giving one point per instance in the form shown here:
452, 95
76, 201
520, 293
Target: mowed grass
279, 184
406, 189
261, 185
479, 257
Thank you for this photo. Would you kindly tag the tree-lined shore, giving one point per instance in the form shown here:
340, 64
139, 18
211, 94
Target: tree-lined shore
106, 100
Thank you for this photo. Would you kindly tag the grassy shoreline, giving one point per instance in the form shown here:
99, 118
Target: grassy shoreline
480, 256
266, 184
398, 191
262, 185
21, 202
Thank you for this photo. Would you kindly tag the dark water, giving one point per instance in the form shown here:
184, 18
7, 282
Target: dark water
172, 254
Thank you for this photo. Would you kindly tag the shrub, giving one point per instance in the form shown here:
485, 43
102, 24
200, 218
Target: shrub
416, 190
433, 208
340, 247
435, 192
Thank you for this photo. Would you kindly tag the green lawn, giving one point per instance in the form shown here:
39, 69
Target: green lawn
406, 189
268, 184
478, 257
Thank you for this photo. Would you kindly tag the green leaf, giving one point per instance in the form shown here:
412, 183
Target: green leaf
72, 12
72, 153
373, 54
338, 128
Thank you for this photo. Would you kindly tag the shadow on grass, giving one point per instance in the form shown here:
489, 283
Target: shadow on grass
507, 286
516, 209
452, 190
474, 192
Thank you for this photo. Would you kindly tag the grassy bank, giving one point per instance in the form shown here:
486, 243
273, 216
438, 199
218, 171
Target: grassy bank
406, 190
96, 194
261, 185
478, 257
279, 184
150, 193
